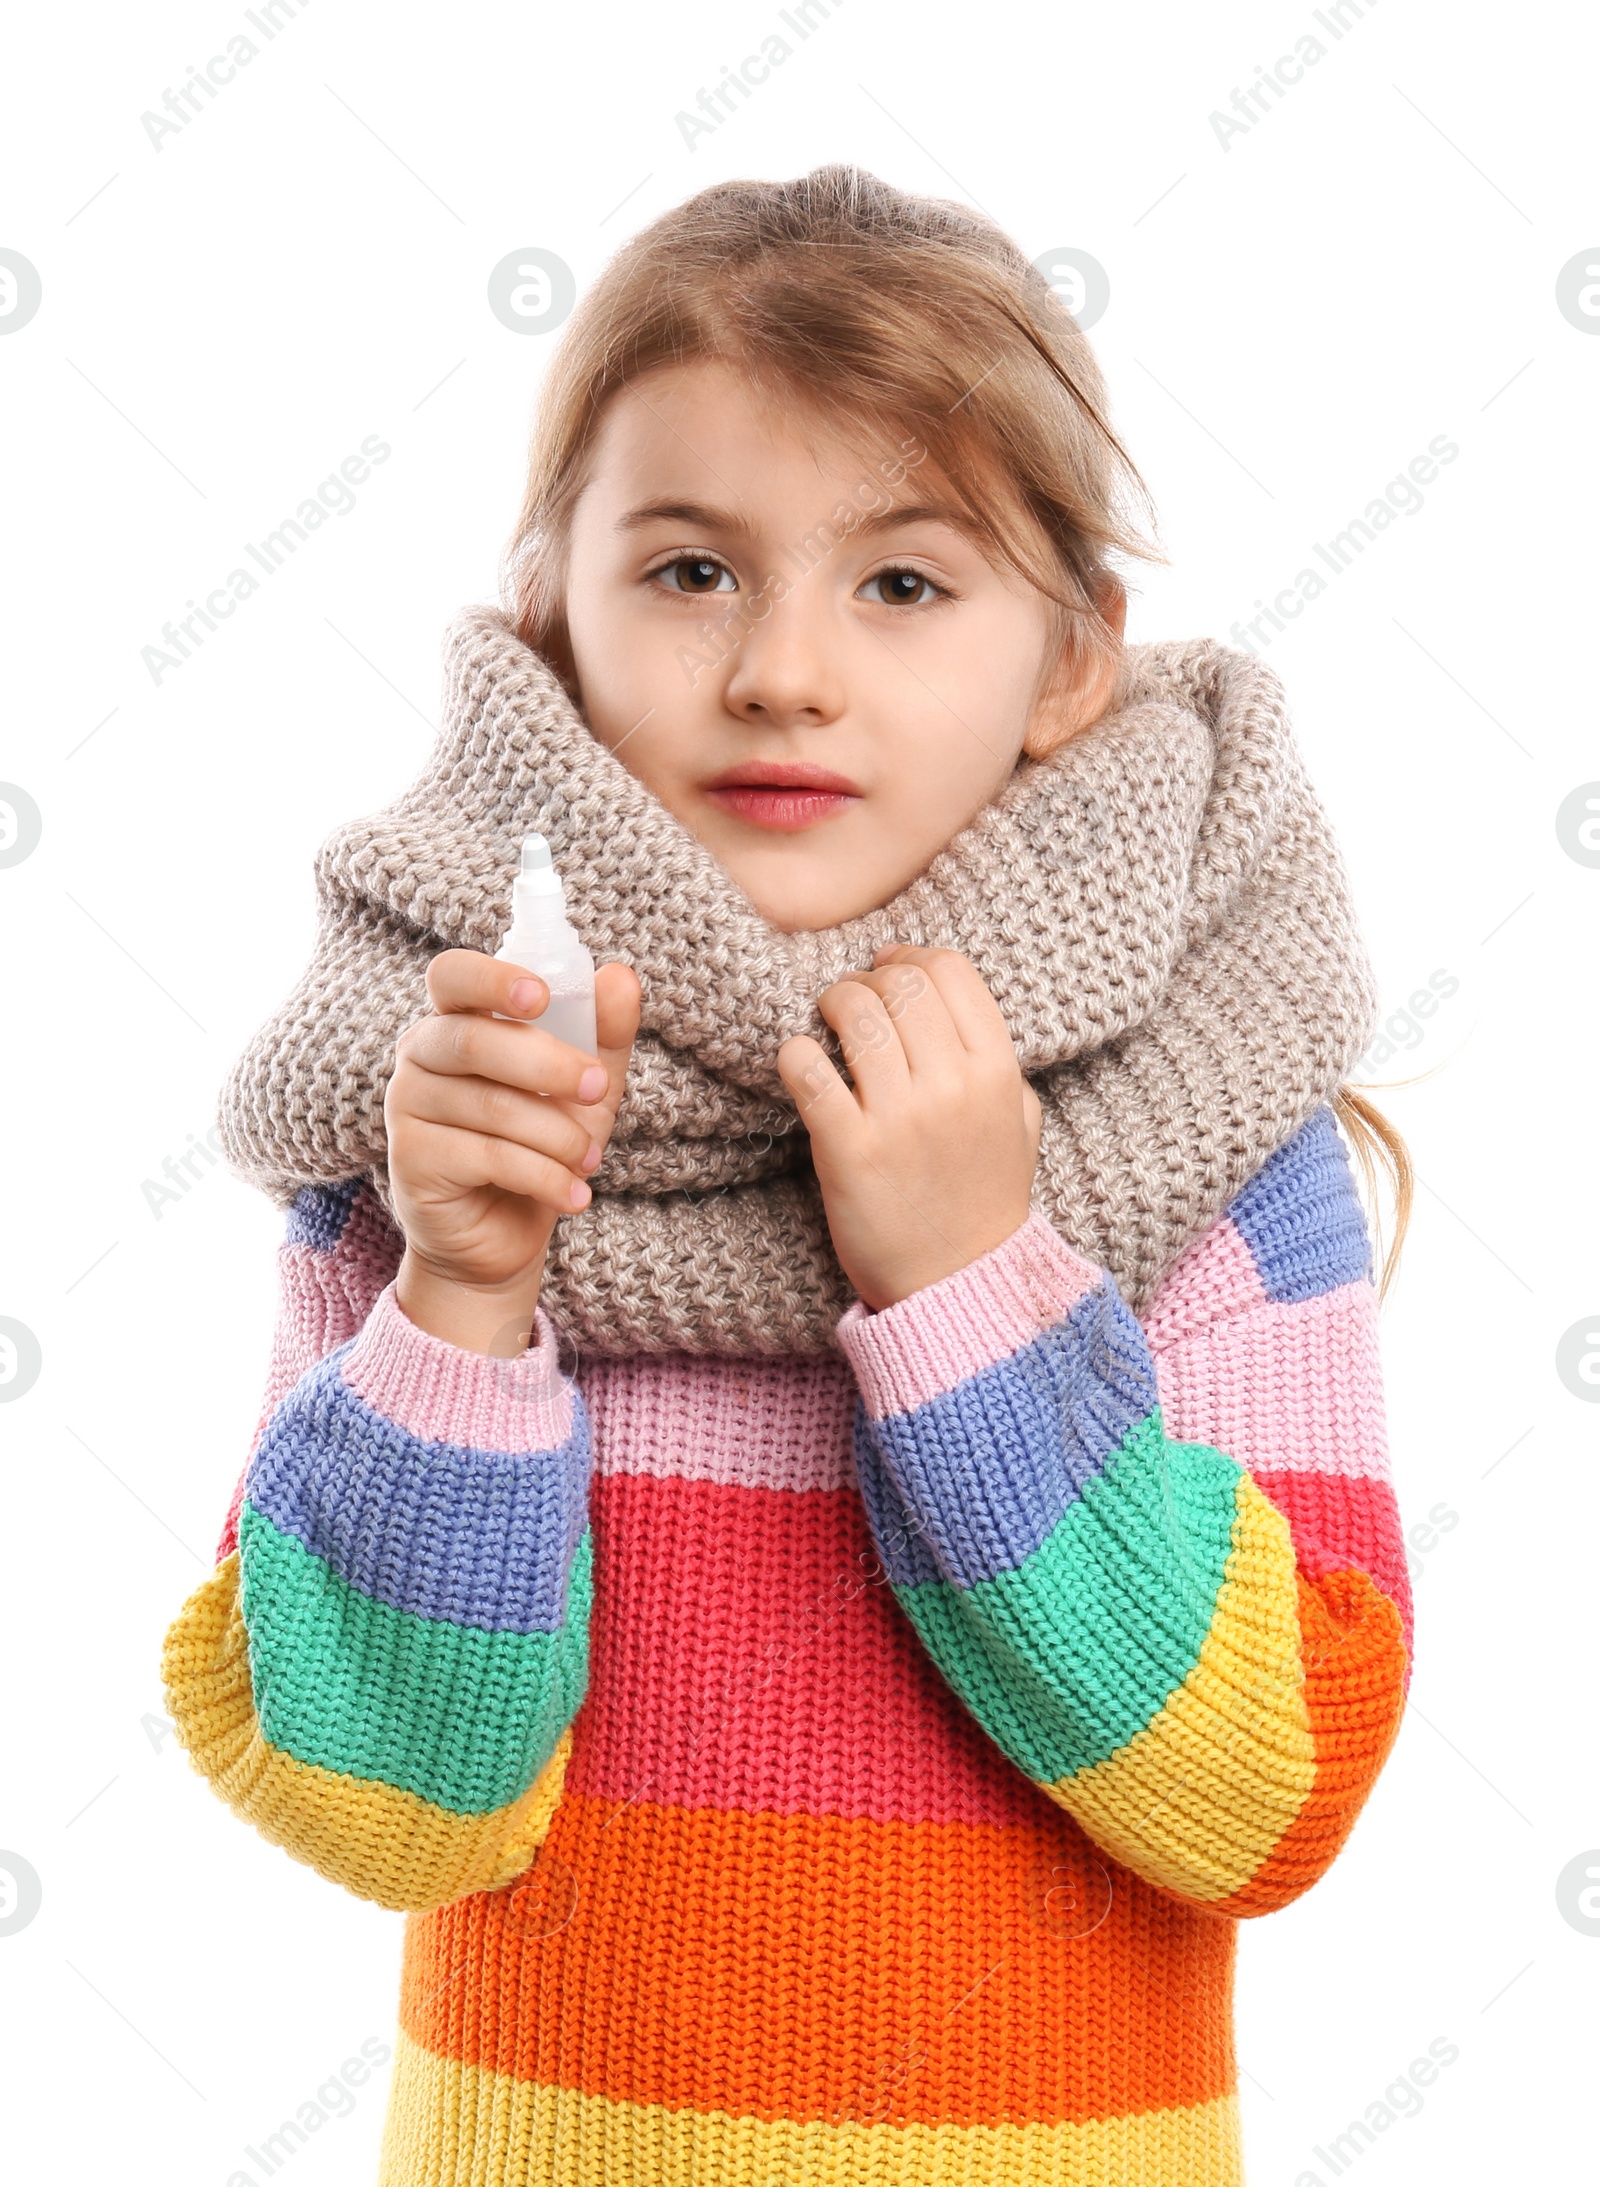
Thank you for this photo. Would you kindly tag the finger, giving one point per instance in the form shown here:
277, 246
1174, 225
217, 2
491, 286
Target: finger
504, 1112
466, 1160
974, 1013
816, 1088
920, 1015
1032, 1116
465, 979
464, 1044
867, 1035
617, 1001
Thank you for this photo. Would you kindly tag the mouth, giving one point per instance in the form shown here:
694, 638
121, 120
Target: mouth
785, 796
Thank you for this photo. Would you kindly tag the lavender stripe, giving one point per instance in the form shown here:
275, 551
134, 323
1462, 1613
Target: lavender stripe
481, 1538
319, 1214
1301, 1216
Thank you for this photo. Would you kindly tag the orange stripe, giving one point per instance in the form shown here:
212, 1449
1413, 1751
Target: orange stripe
1354, 1656
830, 1968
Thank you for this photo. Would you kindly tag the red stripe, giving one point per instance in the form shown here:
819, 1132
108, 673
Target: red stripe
747, 1652
1345, 1520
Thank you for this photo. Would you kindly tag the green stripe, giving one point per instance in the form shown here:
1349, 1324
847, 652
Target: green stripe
1066, 1657
462, 1717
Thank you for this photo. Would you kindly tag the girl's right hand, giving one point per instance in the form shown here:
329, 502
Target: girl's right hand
493, 1130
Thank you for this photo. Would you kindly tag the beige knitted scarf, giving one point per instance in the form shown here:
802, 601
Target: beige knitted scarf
1159, 909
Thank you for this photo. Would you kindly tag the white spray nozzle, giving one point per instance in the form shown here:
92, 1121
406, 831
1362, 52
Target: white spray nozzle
538, 876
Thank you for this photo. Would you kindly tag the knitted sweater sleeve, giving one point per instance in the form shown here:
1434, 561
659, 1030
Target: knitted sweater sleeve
1160, 1562
381, 1671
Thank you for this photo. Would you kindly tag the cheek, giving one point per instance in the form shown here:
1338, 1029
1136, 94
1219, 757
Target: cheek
960, 698
629, 681
592, 604
943, 749
646, 706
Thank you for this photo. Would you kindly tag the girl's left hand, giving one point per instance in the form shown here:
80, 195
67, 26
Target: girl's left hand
929, 1162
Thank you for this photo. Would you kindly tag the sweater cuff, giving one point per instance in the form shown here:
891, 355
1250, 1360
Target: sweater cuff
441, 1393
926, 1343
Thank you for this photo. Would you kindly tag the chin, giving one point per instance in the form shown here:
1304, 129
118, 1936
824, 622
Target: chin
819, 916
800, 911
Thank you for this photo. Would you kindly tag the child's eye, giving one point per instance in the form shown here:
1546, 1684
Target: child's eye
696, 573
901, 588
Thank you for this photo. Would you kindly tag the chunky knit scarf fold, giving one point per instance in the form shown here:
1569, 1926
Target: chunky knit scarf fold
1159, 908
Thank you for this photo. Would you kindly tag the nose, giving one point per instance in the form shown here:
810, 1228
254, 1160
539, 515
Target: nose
785, 672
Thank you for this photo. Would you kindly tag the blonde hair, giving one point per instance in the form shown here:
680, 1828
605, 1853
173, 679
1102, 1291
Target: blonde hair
1376, 1142
888, 314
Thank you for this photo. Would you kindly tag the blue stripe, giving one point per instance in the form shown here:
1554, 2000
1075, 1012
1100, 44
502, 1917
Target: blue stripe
475, 1537
901, 1545
991, 1465
320, 1214
1301, 1216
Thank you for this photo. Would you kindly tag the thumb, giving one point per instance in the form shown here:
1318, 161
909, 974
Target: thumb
617, 1000
1032, 1116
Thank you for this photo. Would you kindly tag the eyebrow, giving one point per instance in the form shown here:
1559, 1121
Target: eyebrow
703, 517
697, 513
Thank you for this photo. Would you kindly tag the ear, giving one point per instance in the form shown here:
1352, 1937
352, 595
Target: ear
1083, 677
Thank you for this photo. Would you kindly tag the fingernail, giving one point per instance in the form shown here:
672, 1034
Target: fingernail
593, 1083
591, 1160
524, 995
580, 1195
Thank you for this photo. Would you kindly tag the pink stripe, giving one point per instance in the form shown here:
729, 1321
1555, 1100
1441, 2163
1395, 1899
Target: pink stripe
750, 1423
924, 1345
370, 1247
1339, 1521
442, 1394
796, 1686
1284, 1389
1215, 1275
322, 1302
323, 1299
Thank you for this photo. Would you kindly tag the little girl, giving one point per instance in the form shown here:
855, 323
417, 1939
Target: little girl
827, 1554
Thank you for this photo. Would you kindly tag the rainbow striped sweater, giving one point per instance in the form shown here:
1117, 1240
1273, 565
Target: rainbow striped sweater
843, 1770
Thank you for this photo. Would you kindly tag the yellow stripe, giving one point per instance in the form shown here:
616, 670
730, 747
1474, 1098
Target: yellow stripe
375, 1839
467, 2126
1199, 1798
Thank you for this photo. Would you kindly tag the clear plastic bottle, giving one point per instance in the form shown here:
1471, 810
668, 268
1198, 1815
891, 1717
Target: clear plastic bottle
540, 940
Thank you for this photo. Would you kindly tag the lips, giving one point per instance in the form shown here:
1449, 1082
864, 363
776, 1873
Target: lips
781, 795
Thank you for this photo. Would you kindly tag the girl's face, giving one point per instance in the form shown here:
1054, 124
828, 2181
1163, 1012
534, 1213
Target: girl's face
789, 641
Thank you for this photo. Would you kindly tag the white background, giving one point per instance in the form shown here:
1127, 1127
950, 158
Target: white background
1293, 317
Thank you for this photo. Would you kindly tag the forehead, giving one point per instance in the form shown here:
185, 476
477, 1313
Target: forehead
686, 428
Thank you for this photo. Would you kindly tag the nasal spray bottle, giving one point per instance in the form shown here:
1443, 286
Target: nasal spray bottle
540, 940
